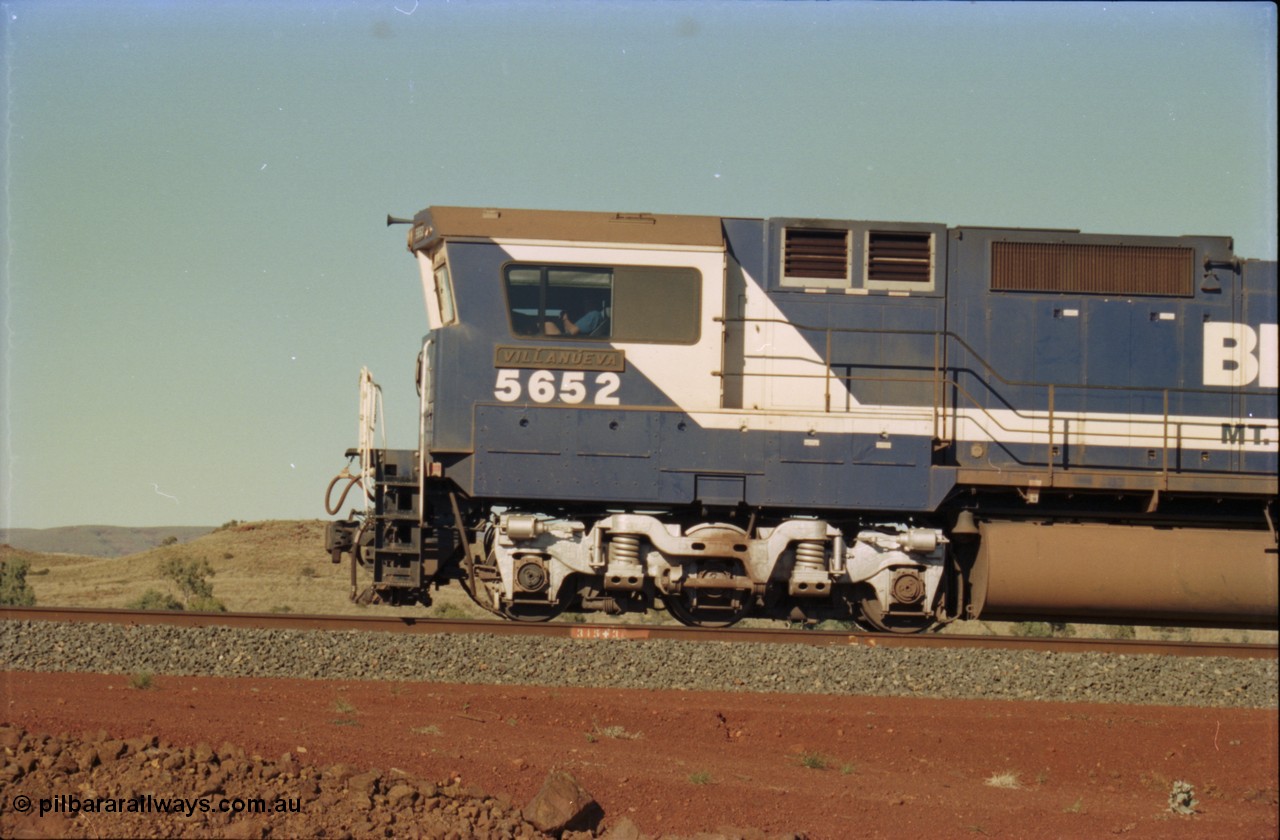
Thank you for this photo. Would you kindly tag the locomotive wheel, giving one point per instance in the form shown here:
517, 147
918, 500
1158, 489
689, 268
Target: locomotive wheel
872, 616
519, 611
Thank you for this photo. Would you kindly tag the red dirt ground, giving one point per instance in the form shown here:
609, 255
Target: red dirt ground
684, 762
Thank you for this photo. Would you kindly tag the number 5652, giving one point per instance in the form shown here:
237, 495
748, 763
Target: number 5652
546, 386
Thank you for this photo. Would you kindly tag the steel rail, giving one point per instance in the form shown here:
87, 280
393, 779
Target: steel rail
632, 632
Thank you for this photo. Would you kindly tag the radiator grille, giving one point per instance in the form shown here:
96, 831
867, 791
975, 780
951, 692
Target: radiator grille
816, 253
1092, 269
899, 256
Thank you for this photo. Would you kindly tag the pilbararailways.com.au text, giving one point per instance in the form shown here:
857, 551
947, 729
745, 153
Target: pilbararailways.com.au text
67, 803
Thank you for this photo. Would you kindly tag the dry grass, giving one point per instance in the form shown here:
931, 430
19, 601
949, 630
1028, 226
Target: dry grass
611, 732
1007, 780
142, 681
258, 567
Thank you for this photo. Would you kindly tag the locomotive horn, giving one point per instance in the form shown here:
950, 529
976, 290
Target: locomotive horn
392, 220
1235, 264
965, 526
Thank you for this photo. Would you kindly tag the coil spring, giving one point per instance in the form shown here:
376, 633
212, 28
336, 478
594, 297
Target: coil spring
811, 554
624, 549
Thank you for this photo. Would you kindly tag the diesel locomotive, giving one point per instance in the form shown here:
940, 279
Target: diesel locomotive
898, 424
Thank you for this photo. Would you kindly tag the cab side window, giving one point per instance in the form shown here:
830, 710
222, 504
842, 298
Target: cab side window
551, 301
624, 303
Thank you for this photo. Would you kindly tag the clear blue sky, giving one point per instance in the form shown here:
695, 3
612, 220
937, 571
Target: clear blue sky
195, 263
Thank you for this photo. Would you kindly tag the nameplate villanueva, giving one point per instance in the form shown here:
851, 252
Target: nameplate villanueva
560, 358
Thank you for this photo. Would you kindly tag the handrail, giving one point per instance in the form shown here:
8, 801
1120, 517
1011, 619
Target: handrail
1049, 452
1030, 417
969, 349
945, 376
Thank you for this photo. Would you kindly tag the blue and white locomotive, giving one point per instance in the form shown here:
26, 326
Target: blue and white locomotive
894, 423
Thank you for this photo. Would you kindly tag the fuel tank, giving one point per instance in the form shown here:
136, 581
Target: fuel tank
1083, 572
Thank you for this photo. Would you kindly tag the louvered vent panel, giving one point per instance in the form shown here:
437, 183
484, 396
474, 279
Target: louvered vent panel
816, 254
1092, 269
899, 256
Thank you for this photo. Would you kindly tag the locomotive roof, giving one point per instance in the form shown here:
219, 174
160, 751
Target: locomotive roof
569, 225
672, 230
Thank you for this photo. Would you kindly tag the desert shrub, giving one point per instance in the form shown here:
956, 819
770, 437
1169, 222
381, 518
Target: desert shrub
190, 576
813, 760
192, 579
1032, 629
1043, 629
205, 603
154, 600
1173, 633
14, 590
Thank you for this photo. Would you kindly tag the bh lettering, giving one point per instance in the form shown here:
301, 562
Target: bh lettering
1235, 355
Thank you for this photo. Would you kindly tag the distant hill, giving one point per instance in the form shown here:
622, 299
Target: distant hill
96, 540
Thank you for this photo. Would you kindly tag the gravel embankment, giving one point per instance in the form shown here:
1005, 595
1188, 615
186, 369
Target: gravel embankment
792, 669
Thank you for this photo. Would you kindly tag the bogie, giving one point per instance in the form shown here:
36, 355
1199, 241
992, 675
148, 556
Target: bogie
710, 574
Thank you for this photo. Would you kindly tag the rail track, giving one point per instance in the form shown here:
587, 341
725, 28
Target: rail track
633, 632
